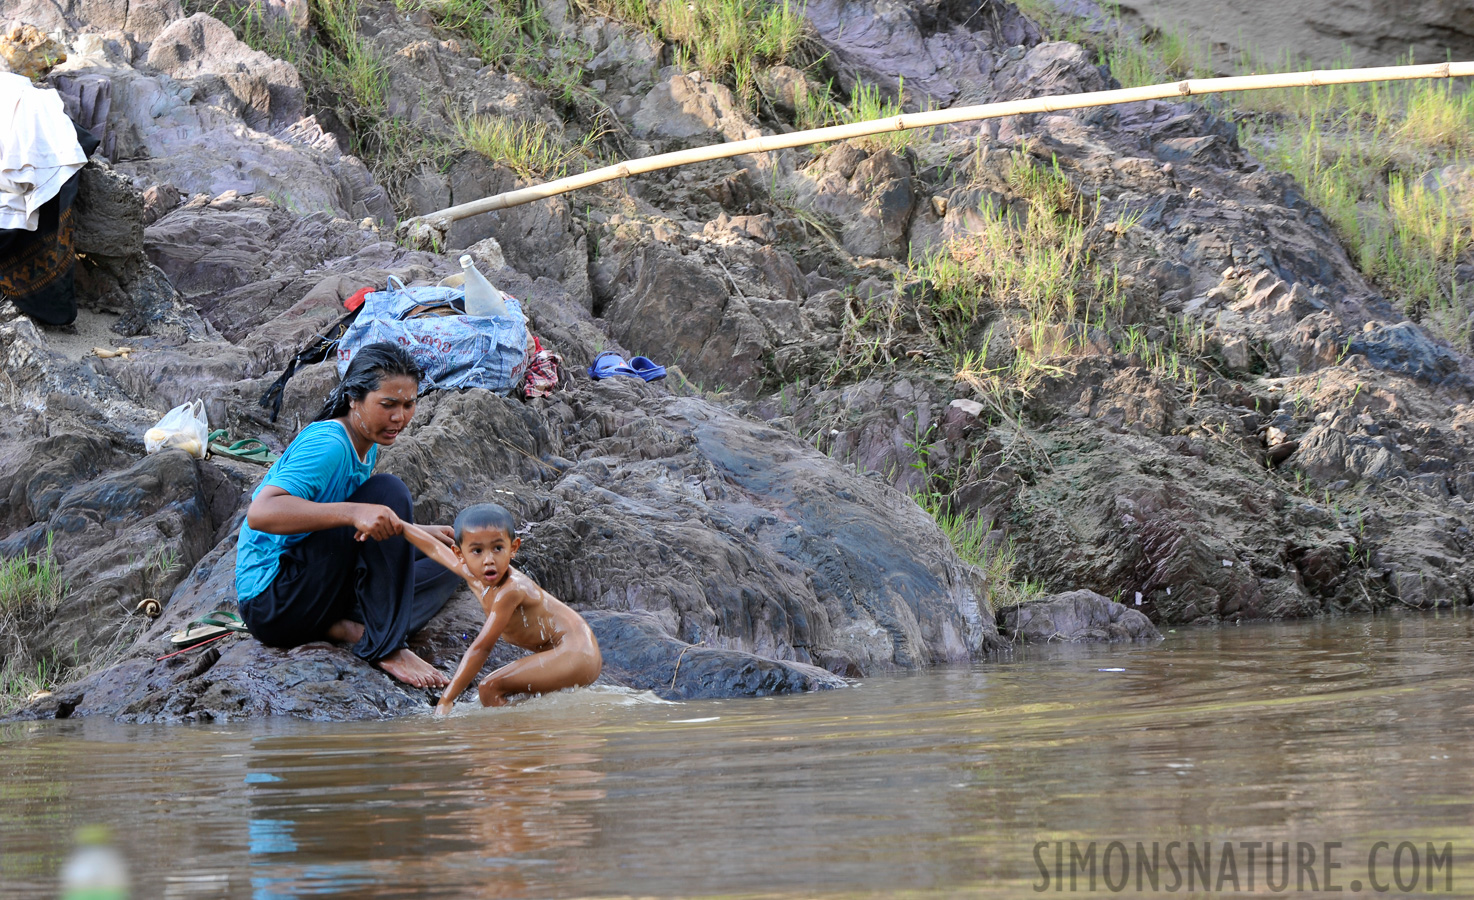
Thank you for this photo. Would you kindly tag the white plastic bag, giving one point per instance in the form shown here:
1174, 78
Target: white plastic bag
183, 427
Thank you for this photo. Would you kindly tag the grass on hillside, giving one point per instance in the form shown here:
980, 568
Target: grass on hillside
31, 587
818, 108
1006, 587
1028, 277
1370, 158
515, 37
725, 39
31, 583
970, 535
531, 149
344, 73
1007, 307
1368, 155
1384, 163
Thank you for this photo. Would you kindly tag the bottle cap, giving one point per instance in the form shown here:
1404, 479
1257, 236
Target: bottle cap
466, 261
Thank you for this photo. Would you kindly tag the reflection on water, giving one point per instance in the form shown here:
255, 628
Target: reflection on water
936, 783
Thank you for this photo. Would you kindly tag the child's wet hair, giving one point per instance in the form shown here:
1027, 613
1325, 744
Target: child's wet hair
485, 515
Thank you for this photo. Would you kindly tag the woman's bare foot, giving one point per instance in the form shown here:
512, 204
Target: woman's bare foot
346, 631
404, 666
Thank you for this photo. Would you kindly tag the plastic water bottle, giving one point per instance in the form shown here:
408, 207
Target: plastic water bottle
482, 298
96, 870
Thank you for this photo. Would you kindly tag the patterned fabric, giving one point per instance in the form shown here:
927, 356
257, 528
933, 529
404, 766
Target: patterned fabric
37, 267
544, 372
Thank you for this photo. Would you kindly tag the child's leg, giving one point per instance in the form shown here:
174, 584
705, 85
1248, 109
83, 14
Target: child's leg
540, 673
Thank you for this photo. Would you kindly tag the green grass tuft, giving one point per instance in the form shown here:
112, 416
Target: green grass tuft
818, 108
725, 39
1036, 263
31, 583
531, 149
514, 36
1364, 154
1162, 56
867, 103
997, 558
20, 682
31, 588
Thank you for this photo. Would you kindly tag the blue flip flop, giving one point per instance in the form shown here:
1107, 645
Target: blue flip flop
608, 364
646, 369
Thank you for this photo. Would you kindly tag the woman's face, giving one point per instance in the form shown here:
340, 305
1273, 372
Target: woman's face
382, 414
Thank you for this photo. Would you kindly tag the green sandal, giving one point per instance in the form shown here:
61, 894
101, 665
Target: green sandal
208, 626
252, 450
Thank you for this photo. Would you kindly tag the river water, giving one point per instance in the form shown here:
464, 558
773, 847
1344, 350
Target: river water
972, 781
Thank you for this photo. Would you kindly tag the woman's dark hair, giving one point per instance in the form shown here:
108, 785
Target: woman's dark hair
365, 372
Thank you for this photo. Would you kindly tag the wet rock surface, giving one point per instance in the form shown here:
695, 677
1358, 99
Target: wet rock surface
757, 570
1077, 617
749, 525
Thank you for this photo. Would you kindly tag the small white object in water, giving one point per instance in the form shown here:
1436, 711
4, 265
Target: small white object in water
692, 721
1110, 670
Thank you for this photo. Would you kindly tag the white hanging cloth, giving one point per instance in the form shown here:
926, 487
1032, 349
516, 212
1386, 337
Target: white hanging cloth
38, 150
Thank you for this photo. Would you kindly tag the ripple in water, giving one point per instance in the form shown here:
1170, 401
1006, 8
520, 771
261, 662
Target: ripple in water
938, 783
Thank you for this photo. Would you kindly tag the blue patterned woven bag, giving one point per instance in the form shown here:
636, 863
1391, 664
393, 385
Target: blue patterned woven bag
455, 351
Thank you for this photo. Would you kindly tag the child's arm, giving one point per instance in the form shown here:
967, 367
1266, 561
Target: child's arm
502, 607
433, 547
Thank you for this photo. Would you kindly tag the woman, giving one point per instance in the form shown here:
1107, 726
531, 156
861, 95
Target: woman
321, 553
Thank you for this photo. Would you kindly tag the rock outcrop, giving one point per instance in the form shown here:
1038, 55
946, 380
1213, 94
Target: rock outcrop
1254, 433
1324, 32
1077, 617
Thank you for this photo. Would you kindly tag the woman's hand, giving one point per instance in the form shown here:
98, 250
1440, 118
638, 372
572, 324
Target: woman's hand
444, 707
375, 522
274, 511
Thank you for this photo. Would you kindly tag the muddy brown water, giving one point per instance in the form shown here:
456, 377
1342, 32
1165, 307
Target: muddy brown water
955, 782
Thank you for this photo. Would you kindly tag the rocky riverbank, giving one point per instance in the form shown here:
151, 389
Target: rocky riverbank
1328, 32
1205, 412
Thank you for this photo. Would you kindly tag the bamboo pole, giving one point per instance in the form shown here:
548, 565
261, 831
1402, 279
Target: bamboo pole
440, 221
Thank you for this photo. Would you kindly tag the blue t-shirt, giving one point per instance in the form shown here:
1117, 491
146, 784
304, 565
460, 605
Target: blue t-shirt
320, 465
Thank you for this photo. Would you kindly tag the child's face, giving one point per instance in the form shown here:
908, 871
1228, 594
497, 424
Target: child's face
487, 553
